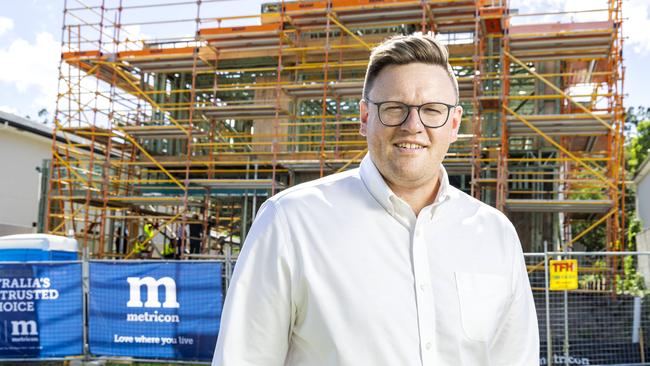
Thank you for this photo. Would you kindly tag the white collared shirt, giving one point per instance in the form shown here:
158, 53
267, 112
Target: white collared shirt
339, 271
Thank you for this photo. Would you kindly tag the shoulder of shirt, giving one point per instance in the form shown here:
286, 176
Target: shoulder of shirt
301, 190
466, 202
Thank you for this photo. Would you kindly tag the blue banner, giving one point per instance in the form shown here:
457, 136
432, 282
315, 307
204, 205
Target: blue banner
154, 309
41, 307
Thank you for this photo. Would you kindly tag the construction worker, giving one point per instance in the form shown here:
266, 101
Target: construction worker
139, 246
144, 241
196, 234
149, 230
168, 250
121, 239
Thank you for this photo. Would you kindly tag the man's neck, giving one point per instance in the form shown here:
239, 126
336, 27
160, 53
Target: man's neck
417, 197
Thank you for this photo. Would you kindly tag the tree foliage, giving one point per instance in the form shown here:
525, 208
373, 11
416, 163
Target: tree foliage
638, 146
630, 282
637, 132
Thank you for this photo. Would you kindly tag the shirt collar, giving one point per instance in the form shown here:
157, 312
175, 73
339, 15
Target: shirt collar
378, 188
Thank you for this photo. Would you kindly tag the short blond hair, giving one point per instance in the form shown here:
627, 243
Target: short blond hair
403, 50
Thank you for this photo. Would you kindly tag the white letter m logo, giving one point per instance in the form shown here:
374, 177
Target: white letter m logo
135, 301
23, 328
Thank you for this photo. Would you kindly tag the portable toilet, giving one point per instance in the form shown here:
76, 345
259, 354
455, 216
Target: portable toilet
37, 247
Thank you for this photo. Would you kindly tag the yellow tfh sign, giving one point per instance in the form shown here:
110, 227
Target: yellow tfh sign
564, 274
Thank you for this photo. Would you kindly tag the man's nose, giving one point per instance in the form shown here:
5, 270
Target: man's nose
413, 124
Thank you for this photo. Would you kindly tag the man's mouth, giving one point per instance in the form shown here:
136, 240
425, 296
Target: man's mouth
409, 146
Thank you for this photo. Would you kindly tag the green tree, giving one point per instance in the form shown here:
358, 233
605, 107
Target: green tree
638, 146
632, 118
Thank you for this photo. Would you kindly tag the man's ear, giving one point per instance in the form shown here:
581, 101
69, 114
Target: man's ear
363, 117
454, 119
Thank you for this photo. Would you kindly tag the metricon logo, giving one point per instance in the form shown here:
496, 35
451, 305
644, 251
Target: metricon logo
136, 283
24, 328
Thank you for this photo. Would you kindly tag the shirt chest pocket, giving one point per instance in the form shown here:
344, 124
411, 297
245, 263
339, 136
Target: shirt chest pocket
482, 299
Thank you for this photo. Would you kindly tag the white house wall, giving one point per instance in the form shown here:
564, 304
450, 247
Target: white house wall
643, 200
20, 154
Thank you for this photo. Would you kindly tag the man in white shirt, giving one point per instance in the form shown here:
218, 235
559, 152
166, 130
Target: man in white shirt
385, 265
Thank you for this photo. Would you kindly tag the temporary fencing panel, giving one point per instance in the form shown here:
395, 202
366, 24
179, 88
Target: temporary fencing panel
171, 310
41, 307
605, 321
154, 310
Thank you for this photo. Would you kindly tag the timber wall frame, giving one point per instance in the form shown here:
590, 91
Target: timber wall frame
203, 128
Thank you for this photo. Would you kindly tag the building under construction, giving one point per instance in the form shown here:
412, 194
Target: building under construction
197, 118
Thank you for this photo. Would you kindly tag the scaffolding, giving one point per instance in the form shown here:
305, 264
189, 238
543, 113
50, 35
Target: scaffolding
175, 116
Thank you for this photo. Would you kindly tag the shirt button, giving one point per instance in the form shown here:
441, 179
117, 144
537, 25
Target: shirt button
417, 232
428, 345
423, 286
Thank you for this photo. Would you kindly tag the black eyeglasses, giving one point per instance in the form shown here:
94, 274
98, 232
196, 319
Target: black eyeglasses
432, 115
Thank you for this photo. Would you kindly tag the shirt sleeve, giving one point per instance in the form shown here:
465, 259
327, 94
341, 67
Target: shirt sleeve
257, 313
517, 340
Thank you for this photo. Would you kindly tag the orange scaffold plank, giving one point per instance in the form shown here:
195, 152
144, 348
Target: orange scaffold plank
240, 31
156, 53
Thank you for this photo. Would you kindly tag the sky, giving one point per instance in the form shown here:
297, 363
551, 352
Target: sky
30, 44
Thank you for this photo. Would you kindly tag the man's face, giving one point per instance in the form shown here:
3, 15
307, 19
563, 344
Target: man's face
417, 163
